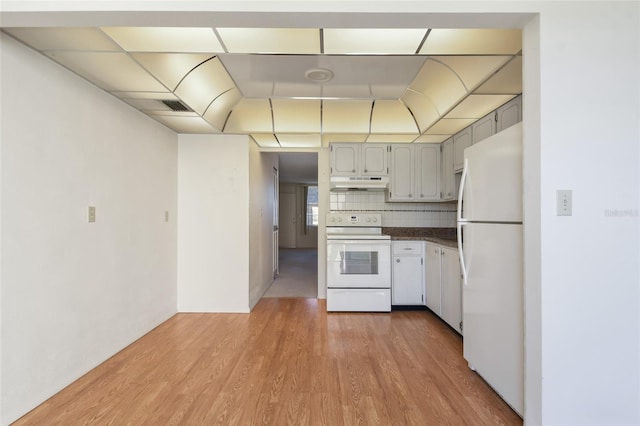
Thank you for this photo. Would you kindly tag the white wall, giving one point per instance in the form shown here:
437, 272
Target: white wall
74, 293
261, 210
589, 273
213, 223
323, 208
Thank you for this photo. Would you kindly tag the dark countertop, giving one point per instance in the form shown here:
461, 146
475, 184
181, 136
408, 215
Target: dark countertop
443, 236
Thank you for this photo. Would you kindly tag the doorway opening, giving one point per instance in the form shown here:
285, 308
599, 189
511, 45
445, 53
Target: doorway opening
297, 254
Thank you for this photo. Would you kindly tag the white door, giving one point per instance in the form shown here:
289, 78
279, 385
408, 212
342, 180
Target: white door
344, 159
276, 218
492, 184
402, 173
451, 289
432, 277
355, 264
493, 307
509, 114
287, 223
447, 181
427, 172
461, 141
484, 127
374, 160
407, 288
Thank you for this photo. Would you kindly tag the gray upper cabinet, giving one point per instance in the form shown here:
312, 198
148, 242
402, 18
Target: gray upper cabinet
461, 141
427, 172
402, 179
373, 160
447, 180
414, 172
509, 113
345, 159
357, 159
484, 127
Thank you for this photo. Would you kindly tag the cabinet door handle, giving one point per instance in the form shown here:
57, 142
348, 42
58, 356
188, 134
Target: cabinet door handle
397, 260
409, 195
365, 170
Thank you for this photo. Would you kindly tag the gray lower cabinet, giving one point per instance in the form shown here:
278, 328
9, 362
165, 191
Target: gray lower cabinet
407, 285
443, 284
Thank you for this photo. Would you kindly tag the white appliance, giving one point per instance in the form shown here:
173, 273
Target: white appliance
491, 255
366, 183
358, 263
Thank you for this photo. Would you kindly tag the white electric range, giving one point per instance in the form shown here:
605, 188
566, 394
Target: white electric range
358, 263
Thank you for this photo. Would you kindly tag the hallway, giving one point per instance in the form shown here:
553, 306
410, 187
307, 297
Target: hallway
298, 274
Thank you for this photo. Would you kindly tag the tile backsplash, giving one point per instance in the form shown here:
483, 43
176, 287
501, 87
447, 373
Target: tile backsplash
427, 215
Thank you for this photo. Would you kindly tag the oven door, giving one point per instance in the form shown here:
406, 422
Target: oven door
358, 264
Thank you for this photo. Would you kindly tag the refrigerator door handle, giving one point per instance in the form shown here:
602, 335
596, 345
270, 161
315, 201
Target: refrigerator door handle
463, 181
463, 266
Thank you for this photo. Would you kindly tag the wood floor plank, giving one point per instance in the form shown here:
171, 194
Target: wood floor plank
289, 362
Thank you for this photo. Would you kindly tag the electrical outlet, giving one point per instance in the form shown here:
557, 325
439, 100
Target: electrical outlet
564, 203
92, 214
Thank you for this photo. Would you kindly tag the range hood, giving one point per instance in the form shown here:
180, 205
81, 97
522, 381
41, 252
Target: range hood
359, 183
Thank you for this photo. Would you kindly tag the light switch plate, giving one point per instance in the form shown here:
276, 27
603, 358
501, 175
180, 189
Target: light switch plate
564, 202
92, 214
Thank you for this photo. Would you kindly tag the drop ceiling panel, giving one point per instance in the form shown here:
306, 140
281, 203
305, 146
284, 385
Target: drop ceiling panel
287, 90
64, 38
376, 41
158, 39
346, 91
422, 109
410, 91
170, 68
472, 42
271, 40
250, 116
507, 80
432, 138
477, 106
449, 126
183, 124
346, 116
296, 116
219, 109
266, 140
391, 117
202, 85
354, 76
328, 138
291, 140
473, 70
390, 138
440, 84
109, 70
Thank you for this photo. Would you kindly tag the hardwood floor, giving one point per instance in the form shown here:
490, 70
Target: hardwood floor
288, 362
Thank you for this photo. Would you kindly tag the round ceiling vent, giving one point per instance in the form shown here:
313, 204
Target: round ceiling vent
318, 75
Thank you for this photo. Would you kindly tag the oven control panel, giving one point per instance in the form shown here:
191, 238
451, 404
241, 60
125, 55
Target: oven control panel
354, 219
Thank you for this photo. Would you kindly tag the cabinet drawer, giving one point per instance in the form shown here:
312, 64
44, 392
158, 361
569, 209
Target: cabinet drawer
407, 248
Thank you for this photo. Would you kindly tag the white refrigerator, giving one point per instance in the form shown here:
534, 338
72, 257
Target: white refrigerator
491, 246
